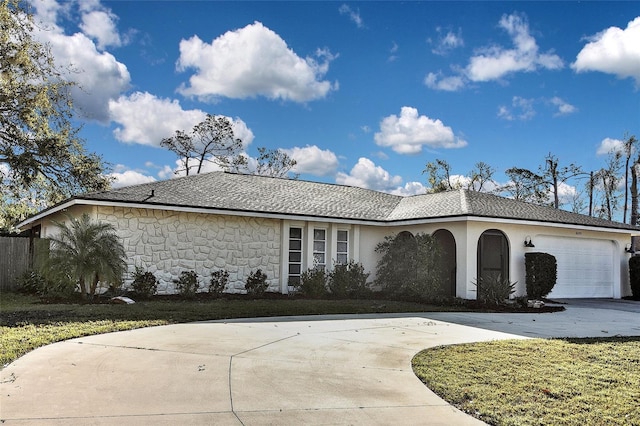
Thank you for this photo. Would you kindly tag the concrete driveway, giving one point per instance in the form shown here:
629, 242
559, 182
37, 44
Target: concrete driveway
302, 370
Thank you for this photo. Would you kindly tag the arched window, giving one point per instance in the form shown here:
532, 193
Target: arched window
448, 263
493, 256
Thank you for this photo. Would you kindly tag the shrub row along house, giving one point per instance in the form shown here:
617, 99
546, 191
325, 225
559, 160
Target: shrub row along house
241, 223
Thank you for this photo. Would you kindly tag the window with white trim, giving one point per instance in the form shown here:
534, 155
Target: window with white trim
295, 256
320, 248
342, 247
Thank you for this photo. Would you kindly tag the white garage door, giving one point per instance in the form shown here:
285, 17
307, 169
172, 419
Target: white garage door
585, 266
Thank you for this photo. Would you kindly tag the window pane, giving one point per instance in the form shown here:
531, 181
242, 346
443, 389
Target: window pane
295, 245
294, 269
318, 259
295, 233
295, 257
342, 247
318, 246
342, 258
342, 235
318, 234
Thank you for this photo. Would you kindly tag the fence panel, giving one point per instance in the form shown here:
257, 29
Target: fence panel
14, 260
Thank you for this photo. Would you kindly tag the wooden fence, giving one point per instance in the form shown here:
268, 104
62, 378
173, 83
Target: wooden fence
14, 260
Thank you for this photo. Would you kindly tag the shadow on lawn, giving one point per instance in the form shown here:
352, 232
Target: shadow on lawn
174, 309
593, 340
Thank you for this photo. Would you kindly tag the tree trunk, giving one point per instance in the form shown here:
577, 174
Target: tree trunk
591, 194
83, 288
94, 285
634, 194
607, 194
626, 190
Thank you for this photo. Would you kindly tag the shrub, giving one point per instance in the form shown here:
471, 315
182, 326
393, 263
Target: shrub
494, 289
144, 282
348, 280
256, 283
33, 282
218, 282
187, 284
410, 266
634, 276
541, 274
313, 283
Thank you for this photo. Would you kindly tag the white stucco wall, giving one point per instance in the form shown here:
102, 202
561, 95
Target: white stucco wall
467, 235
168, 242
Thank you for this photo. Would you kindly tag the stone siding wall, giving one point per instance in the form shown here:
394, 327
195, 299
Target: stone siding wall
167, 243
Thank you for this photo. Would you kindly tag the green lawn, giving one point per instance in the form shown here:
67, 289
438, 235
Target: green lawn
26, 323
539, 382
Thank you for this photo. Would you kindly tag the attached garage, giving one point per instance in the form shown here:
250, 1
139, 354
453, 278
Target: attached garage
586, 267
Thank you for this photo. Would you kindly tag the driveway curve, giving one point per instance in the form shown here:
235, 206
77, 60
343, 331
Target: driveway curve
300, 370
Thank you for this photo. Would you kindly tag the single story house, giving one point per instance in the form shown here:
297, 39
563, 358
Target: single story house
243, 222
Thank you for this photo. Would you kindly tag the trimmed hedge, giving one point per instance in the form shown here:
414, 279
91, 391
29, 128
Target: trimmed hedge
634, 276
541, 274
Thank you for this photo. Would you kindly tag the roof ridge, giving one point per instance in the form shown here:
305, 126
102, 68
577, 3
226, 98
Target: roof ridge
465, 205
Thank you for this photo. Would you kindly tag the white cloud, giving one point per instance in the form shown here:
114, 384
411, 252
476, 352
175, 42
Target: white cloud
410, 188
130, 177
166, 172
564, 108
101, 26
521, 109
609, 145
566, 193
354, 15
313, 160
449, 84
146, 119
252, 61
495, 62
409, 132
365, 174
448, 42
392, 52
613, 51
100, 77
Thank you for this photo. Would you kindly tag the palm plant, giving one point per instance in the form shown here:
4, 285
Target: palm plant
88, 252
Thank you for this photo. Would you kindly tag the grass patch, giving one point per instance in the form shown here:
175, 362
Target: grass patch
26, 323
537, 381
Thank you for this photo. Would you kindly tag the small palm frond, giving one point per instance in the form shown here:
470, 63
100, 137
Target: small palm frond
87, 250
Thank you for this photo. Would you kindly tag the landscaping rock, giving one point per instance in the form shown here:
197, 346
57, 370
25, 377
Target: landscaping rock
122, 300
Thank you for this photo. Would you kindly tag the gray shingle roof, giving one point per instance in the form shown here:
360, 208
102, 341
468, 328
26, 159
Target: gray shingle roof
250, 193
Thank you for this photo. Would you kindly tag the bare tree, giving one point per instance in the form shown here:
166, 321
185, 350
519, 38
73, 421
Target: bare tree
275, 163
212, 140
481, 175
524, 185
607, 182
628, 149
634, 193
439, 176
535, 186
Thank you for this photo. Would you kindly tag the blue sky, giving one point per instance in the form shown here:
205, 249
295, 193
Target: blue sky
359, 93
